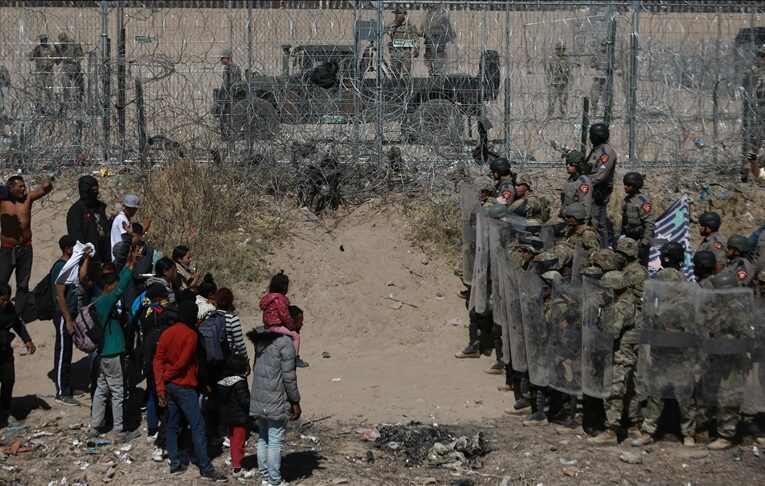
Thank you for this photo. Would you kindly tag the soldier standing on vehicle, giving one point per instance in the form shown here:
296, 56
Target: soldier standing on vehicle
437, 30
602, 162
44, 57
709, 225
404, 42
638, 218
69, 54
578, 187
738, 263
754, 84
558, 74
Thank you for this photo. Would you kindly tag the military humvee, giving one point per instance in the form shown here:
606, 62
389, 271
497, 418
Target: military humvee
335, 84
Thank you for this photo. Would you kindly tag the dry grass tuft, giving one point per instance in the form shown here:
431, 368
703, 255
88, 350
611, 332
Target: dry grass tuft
217, 214
435, 227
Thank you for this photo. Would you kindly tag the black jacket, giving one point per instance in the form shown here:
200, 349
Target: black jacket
87, 221
234, 399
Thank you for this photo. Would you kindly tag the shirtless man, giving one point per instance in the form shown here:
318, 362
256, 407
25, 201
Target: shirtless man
16, 231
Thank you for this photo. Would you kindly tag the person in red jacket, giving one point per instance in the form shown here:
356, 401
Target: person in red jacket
175, 375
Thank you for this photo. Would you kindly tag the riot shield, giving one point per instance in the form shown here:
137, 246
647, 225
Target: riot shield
726, 319
564, 324
754, 393
469, 205
669, 341
479, 291
578, 261
514, 319
597, 338
497, 296
535, 336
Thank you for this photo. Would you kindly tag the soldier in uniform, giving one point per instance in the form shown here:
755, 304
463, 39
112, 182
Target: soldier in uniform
44, 57
709, 225
404, 41
579, 232
526, 203
602, 162
626, 333
69, 53
635, 273
437, 30
754, 133
504, 178
578, 187
738, 263
232, 77
672, 259
704, 267
558, 74
638, 218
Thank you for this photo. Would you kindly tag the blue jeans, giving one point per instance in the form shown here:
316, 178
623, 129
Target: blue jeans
185, 401
270, 441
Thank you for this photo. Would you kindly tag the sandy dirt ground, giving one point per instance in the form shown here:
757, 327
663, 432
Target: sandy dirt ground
385, 313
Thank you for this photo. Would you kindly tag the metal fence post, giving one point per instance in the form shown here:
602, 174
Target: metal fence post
378, 80
105, 79
716, 88
250, 28
143, 142
609, 101
633, 81
506, 101
121, 73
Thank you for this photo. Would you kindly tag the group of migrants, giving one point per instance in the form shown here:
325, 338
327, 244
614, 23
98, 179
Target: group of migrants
143, 316
575, 317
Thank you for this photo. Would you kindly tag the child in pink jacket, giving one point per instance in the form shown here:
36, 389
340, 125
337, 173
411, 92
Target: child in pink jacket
276, 315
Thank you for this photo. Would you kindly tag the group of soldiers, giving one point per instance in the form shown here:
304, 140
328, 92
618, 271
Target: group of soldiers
437, 32
45, 56
572, 313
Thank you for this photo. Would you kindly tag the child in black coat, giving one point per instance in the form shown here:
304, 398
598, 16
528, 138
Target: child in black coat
234, 395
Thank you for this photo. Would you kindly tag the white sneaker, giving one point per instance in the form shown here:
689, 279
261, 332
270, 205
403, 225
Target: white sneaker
244, 474
226, 443
151, 438
158, 455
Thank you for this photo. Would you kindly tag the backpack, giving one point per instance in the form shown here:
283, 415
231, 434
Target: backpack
88, 334
212, 330
39, 303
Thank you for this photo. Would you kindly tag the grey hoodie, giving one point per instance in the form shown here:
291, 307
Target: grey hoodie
274, 381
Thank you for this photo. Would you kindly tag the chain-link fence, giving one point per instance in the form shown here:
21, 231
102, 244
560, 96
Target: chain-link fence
405, 86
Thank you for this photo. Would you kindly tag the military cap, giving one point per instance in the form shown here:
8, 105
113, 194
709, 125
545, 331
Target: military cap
523, 178
497, 211
605, 259
484, 183
592, 272
574, 157
627, 247
576, 210
551, 275
724, 280
739, 243
614, 279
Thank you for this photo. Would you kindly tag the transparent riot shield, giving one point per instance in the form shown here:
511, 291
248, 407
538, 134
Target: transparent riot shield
514, 320
578, 261
726, 320
669, 341
469, 204
536, 338
754, 393
479, 291
564, 324
597, 338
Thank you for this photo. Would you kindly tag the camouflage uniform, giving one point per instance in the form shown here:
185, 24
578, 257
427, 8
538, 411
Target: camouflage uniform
716, 245
585, 235
638, 218
529, 206
602, 160
44, 57
70, 54
557, 74
742, 268
437, 30
578, 189
404, 39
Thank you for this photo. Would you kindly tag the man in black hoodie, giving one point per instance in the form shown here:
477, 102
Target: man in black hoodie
87, 221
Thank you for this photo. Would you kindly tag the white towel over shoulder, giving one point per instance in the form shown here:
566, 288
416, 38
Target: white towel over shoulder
70, 274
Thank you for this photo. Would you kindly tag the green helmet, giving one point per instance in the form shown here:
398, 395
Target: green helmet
627, 247
760, 277
576, 158
484, 183
523, 178
546, 260
497, 211
576, 210
634, 179
551, 275
534, 244
711, 219
724, 280
704, 260
739, 242
605, 259
614, 280
592, 272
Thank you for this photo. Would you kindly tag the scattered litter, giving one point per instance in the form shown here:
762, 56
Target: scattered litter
60, 482
570, 472
527, 454
337, 380
756, 451
41, 434
564, 462
126, 447
456, 322
13, 430
630, 458
310, 438
458, 453
326, 355
340, 481
684, 466
417, 443
369, 434
9, 468
124, 457
396, 305
16, 448
736, 457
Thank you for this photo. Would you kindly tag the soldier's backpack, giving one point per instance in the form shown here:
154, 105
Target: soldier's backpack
88, 334
212, 331
37, 304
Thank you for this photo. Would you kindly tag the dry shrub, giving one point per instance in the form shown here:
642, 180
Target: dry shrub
436, 226
217, 214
